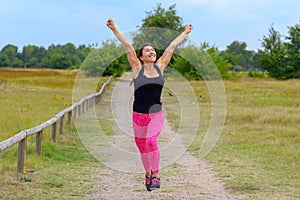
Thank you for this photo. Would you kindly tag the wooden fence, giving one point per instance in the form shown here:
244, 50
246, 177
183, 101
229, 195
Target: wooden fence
77, 108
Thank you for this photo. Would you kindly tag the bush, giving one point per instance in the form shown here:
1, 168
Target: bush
256, 73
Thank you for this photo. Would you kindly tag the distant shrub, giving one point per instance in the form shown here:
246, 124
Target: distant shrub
256, 73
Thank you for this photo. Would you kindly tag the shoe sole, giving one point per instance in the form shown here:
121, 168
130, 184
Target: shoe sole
155, 187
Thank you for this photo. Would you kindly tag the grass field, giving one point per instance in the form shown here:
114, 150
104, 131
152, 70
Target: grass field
258, 152
28, 98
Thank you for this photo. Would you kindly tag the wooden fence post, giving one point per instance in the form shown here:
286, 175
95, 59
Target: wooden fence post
21, 154
39, 137
54, 126
69, 117
92, 101
82, 107
61, 128
96, 99
74, 111
99, 98
87, 104
79, 110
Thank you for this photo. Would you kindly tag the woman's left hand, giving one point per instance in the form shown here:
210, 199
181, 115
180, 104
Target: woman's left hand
188, 28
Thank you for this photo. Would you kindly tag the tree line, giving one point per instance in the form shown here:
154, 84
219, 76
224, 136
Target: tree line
55, 56
279, 55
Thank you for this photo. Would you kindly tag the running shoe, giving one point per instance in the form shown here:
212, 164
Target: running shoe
155, 183
148, 182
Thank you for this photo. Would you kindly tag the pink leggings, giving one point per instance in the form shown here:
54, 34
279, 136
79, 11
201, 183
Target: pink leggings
147, 128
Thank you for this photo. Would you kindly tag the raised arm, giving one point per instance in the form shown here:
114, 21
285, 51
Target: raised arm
164, 60
130, 51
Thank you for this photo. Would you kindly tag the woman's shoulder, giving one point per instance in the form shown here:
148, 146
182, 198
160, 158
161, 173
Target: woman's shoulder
135, 71
160, 67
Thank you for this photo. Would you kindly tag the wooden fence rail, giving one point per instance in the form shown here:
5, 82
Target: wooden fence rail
74, 111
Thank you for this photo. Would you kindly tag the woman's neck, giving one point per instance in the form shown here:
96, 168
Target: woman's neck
148, 66
149, 71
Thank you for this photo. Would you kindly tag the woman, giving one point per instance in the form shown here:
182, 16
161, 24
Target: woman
148, 115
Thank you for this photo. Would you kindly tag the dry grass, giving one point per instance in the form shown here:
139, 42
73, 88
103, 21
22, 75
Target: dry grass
257, 154
28, 98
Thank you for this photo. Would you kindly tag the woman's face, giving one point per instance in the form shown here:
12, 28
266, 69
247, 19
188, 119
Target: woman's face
148, 54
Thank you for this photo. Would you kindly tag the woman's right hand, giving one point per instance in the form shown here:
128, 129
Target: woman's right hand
111, 24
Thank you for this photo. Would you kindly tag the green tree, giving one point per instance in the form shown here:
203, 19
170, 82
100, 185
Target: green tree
273, 56
104, 60
201, 62
117, 67
183, 63
34, 62
222, 64
237, 47
159, 27
63, 56
162, 18
56, 56
69, 49
60, 61
10, 56
4, 60
40, 53
29, 52
17, 63
238, 55
83, 51
293, 50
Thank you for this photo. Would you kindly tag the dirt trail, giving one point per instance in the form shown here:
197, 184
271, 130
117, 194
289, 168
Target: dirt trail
186, 178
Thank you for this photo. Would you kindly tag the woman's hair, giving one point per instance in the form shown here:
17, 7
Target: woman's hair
140, 51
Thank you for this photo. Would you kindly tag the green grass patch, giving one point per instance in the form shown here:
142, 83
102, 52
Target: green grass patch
28, 98
258, 152
62, 172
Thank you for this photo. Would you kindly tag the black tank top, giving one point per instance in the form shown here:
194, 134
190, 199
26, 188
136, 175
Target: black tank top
147, 92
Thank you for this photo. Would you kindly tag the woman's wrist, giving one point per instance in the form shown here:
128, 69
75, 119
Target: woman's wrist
186, 31
116, 31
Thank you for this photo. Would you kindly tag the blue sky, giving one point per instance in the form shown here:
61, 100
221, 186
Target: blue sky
219, 22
